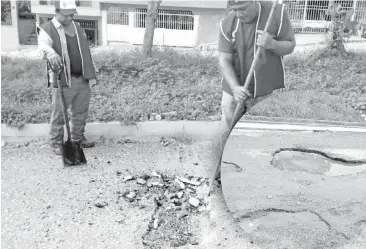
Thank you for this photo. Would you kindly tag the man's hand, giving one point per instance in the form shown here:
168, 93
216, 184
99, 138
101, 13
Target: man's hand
240, 93
264, 40
56, 62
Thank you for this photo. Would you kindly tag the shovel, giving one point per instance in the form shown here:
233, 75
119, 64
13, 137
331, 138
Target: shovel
240, 107
72, 152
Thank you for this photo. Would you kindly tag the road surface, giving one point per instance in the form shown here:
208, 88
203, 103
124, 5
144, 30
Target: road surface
297, 199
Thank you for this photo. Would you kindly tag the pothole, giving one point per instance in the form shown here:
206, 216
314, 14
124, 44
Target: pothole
282, 218
315, 162
302, 229
179, 205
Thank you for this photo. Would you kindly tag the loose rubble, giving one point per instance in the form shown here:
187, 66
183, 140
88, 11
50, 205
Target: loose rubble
177, 200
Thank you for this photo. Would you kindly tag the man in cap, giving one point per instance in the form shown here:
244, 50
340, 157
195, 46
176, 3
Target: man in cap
63, 43
241, 33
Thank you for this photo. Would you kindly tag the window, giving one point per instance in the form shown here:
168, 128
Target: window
119, 16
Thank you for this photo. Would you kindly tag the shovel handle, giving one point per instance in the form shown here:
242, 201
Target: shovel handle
63, 104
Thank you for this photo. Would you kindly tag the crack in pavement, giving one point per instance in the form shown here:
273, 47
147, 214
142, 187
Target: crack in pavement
237, 167
312, 151
262, 212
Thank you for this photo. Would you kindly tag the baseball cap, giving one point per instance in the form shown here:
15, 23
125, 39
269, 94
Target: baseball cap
66, 7
237, 4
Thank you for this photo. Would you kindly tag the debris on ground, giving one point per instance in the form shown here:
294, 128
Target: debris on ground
177, 201
165, 142
101, 204
141, 181
128, 178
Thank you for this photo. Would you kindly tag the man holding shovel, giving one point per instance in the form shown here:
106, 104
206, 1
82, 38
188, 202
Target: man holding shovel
241, 34
63, 43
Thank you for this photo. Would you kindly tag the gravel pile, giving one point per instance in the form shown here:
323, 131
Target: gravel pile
178, 201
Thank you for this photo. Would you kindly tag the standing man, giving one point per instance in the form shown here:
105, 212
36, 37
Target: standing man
241, 33
63, 43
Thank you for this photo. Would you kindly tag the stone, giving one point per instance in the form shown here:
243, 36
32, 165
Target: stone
3, 143
149, 185
141, 181
155, 174
194, 202
157, 184
131, 195
180, 194
156, 223
158, 118
100, 204
128, 178
152, 116
191, 182
201, 209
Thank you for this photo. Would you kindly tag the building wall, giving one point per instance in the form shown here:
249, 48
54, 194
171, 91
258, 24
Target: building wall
9, 33
9, 38
208, 26
93, 10
205, 28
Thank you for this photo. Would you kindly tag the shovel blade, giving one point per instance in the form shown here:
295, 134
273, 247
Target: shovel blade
72, 154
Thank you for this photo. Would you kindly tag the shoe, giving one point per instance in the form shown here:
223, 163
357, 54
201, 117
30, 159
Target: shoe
56, 149
86, 144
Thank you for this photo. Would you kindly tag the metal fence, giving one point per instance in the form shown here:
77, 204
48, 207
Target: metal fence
167, 19
311, 16
118, 16
78, 3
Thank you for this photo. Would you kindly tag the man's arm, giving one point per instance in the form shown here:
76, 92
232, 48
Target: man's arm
227, 69
283, 47
45, 45
284, 43
47, 52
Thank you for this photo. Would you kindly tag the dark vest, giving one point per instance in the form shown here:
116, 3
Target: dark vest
87, 63
269, 73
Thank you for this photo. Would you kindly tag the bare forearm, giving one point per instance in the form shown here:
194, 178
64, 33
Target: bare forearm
227, 71
283, 47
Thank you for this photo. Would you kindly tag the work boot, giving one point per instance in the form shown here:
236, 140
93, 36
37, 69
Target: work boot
85, 143
55, 147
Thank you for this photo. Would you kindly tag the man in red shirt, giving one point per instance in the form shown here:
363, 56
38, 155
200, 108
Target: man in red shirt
241, 33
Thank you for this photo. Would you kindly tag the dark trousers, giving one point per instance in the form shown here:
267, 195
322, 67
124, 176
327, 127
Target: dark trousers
77, 97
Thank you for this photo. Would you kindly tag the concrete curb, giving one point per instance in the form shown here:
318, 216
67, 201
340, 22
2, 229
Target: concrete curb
173, 128
150, 128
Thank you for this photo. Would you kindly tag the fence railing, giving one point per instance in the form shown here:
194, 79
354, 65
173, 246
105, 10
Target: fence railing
311, 16
118, 16
177, 20
78, 3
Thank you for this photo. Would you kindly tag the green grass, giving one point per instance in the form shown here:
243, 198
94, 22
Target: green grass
130, 88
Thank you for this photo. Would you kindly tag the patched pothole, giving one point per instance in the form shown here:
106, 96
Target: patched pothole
315, 162
282, 218
180, 203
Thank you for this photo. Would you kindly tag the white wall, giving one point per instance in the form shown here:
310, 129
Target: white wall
9, 38
9, 33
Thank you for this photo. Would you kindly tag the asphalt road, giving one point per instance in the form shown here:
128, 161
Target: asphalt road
293, 199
